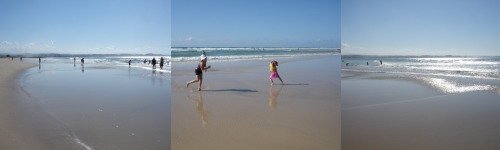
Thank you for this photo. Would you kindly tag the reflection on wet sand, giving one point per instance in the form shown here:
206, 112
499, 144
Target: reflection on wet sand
199, 108
83, 68
273, 96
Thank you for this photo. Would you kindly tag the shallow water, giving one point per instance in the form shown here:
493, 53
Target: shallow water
449, 74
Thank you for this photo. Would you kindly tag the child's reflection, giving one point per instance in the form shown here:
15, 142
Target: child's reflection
273, 96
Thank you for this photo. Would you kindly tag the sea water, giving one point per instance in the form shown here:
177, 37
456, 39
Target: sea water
449, 74
246, 53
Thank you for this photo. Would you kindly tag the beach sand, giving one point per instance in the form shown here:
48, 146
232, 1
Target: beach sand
12, 132
102, 106
239, 109
400, 113
59, 105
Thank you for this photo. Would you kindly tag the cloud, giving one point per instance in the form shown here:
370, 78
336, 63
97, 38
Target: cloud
111, 49
31, 47
345, 45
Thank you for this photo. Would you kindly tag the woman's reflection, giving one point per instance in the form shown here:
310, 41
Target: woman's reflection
200, 109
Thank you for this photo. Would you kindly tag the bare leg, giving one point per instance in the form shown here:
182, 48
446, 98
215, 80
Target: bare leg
199, 84
193, 81
280, 79
271, 80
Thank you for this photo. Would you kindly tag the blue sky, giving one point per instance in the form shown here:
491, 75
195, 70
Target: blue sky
256, 23
421, 27
85, 26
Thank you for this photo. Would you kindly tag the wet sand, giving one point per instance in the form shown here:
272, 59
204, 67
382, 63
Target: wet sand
99, 106
60, 105
392, 114
239, 109
14, 132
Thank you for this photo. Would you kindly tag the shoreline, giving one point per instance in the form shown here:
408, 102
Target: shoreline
25, 124
116, 115
11, 135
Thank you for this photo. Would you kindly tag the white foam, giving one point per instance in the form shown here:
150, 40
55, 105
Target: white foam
246, 57
77, 140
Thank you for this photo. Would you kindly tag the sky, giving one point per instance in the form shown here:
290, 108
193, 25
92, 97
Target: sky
256, 23
85, 26
421, 27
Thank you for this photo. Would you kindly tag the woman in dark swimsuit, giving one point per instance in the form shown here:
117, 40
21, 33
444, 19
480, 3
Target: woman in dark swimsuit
202, 65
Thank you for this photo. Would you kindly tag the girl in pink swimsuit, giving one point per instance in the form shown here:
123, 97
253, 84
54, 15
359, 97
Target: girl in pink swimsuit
273, 69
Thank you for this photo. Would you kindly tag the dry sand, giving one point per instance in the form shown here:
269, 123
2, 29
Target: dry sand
238, 109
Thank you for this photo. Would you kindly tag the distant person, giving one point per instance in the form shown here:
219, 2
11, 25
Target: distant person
149, 62
20, 58
202, 65
273, 69
74, 60
153, 62
129, 62
145, 61
82, 61
367, 63
346, 64
380, 62
162, 61
39, 60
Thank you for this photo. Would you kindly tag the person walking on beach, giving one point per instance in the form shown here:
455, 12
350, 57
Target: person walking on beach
129, 62
273, 69
153, 62
202, 65
82, 61
39, 60
380, 62
145, 60
161, 62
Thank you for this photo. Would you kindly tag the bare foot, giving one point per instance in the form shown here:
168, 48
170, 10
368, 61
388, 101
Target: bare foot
199, 89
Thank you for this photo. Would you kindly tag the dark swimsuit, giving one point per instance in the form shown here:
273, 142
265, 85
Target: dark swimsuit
198, 71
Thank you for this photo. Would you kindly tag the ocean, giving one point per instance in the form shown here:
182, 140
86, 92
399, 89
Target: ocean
246, 53
448, 74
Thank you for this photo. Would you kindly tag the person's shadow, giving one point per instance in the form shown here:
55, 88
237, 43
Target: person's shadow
199, 108
273, 96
